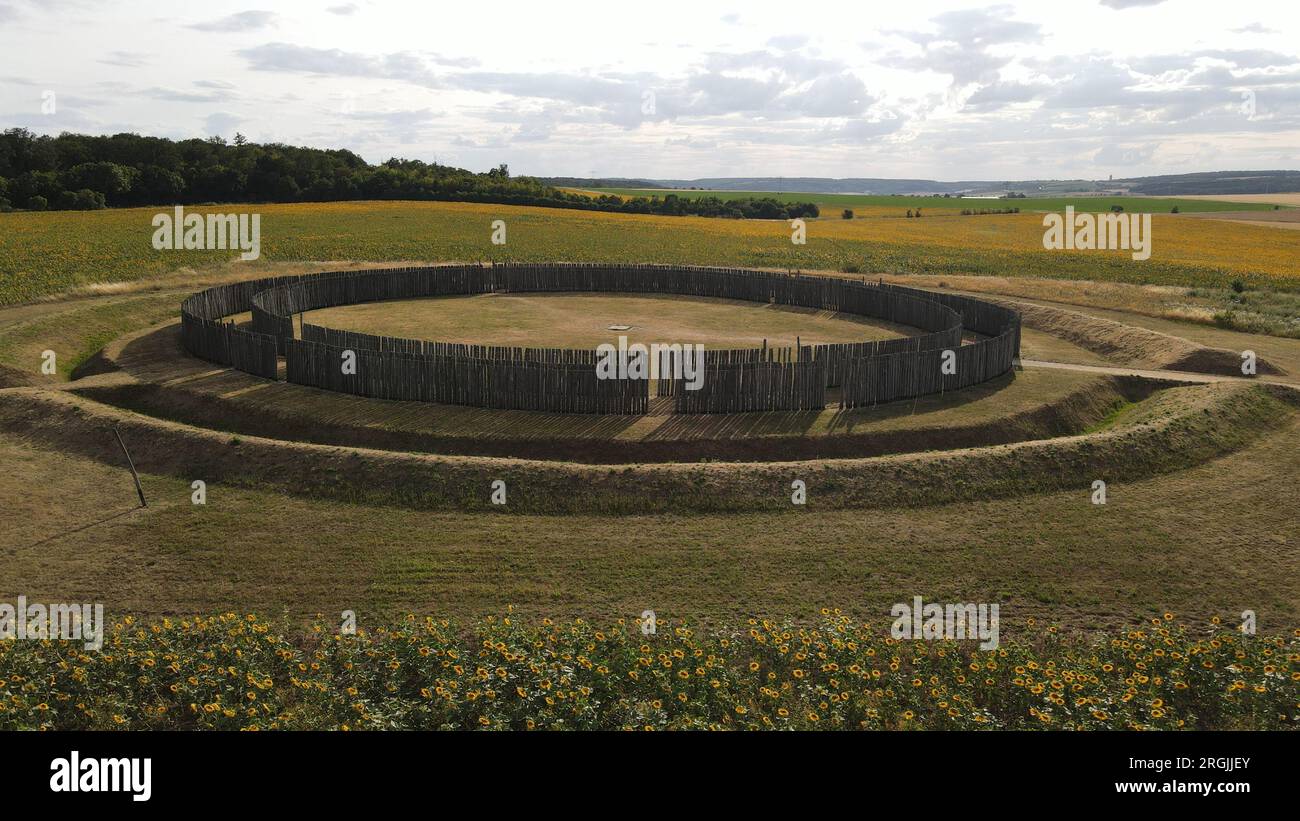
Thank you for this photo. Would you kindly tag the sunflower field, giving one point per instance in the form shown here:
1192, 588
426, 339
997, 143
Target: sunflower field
234, 672
43, 253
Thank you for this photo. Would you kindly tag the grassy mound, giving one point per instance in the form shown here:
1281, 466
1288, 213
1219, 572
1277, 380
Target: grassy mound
1132, 345
1038, 405
1186, 426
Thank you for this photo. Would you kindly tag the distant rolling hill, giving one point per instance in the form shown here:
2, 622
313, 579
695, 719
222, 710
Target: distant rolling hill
1217, 182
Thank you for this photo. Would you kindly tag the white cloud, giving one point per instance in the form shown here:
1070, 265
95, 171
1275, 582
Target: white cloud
1130, 4
125, 59
954, 88
242, 21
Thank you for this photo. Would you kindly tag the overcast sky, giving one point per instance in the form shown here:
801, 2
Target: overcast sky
940, 90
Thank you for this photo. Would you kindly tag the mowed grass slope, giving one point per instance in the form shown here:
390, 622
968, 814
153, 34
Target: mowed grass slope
45, 253
74, 331
1216, 539
1189, 427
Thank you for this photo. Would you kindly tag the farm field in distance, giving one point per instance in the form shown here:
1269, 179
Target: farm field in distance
876, 204
42, 254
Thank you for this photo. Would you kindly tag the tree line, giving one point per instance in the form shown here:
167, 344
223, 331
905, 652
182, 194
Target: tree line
83, 172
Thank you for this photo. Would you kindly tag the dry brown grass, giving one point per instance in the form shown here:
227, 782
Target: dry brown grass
1133, 346
1260, 314
1272, 199
582, 320
1221, 537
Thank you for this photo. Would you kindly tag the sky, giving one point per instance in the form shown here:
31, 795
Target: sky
668, 89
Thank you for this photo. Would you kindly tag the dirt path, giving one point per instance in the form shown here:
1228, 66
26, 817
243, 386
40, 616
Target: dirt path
1170, 376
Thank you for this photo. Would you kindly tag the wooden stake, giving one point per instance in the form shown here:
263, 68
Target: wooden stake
131, 464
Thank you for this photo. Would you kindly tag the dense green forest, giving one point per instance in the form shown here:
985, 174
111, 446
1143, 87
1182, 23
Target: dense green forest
81, 172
